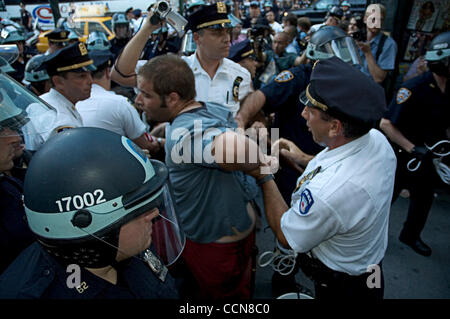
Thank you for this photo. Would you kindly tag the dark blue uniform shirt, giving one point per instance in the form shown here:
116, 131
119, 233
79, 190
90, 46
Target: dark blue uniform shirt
15, 235
37, 275
282, 97
421, 111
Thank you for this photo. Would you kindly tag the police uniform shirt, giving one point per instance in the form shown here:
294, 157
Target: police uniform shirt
230, 84
340, 210
37, 275
386, 60
282, 98
420, 110
105, 109
67, 115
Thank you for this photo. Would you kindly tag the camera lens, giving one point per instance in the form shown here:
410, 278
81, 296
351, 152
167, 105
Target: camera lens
163, 6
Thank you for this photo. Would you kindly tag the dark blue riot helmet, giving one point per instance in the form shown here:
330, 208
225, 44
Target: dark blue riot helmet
84, 184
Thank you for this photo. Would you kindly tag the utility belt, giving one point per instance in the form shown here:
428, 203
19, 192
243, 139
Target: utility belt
315, 270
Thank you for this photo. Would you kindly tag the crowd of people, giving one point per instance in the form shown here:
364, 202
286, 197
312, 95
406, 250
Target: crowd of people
320, 99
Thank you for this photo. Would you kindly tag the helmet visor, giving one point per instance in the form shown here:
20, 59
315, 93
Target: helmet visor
21, 112
168, 238
344, 48
9, 52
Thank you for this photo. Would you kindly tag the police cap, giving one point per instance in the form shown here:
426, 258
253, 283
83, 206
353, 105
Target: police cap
58, 35
240, 51
74, 58
337, 87
212, 16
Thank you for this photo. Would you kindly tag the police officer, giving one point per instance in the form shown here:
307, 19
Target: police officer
337, 239
14, 232
11, 35
111, 111
39, 81
57, 39
69, 70
414, 131
158, 44
121, 28
280, 96
243, 54
217, 79
94, 233
98, 41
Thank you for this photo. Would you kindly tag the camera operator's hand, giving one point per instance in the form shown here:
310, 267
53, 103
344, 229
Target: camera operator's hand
152, 21
364, 46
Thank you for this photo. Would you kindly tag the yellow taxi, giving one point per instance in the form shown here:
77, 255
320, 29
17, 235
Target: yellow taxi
83, 26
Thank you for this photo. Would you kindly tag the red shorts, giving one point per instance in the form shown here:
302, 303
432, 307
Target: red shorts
222, 270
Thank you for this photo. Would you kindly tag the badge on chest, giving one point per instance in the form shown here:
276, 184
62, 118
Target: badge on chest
307, 177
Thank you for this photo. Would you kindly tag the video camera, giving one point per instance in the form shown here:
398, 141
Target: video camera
162, 10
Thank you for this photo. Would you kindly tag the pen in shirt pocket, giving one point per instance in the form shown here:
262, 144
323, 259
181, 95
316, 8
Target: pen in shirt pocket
228, 92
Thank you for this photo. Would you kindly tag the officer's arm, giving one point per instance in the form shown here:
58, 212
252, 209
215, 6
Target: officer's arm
123, 71
274, 205
252, 104
394, 134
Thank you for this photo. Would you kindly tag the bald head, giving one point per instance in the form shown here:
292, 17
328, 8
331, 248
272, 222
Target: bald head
280, 42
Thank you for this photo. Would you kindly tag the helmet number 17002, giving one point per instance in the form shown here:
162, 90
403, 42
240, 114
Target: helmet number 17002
79, 201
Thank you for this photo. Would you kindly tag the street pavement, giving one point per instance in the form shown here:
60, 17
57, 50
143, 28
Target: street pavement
408, 275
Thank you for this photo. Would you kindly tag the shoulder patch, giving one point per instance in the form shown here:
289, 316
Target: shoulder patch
306, 201
402, 95
284, 76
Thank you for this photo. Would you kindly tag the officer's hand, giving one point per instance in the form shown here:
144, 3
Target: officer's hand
419, 152
294, 156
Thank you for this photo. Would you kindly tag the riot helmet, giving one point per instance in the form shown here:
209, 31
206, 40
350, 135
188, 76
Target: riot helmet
10, 34
119, 19
98, 41
331, 41
33, 70
438, 54
106, 181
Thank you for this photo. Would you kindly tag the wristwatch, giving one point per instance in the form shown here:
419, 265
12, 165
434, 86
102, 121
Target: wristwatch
265, 179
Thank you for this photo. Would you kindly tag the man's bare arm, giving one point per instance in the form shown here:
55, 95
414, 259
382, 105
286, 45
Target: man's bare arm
123, 71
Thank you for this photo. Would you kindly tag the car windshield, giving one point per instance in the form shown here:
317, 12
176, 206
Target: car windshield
107, 23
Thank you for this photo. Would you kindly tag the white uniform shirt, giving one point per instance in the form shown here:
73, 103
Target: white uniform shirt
108, 110
341, 211
230, 84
